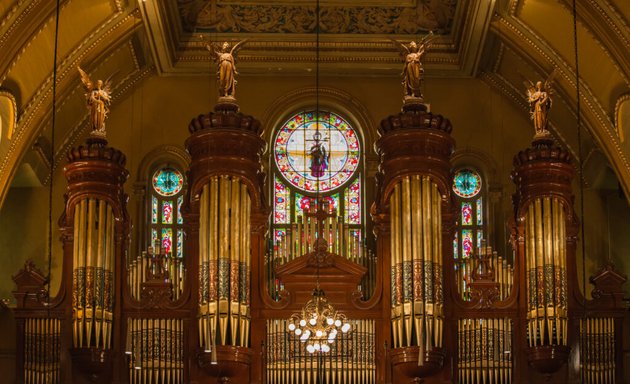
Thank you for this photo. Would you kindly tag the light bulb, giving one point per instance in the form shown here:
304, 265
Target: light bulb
298, 331
345, 328
291, 327
312, 321
317, 346
302, 323
310, 348
307, 333
304, 337
330, 321
337, 323
318, 333
325, 348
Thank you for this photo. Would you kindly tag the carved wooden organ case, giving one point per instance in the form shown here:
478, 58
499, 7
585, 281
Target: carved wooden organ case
222, 313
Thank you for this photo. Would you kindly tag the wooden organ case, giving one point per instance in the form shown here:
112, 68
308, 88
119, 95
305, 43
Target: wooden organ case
215, 317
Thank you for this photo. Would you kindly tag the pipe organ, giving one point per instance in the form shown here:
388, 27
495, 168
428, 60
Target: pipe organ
415, 312
224, 263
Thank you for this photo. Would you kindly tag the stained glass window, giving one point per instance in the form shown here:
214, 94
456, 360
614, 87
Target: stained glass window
315, 156
312, 149
467, 187
168, 181
165, 211
466, 183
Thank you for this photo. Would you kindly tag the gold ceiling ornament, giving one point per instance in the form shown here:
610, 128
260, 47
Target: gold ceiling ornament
540, 101
413, 71
98, 96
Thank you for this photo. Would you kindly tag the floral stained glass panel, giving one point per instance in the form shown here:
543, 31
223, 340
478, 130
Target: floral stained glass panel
154, 210
352, 197
180, 243
316, 152
479, 211
303, 204
180, 201
167, 212
467, 214
281, 203
456, 245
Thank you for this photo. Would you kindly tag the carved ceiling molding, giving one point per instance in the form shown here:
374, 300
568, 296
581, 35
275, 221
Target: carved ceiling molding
298, 18
608, 28
24, 24
521, 39
176, 51
621, 102
120, 26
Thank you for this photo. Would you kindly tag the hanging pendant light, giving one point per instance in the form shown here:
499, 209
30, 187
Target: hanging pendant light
318, 323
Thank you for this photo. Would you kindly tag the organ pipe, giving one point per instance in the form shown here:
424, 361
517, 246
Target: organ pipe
416, 264
93, 274
224, 314
546, 265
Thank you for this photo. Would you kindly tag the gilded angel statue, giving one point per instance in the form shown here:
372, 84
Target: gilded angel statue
539, 98
98, 100
413, 70
224, 56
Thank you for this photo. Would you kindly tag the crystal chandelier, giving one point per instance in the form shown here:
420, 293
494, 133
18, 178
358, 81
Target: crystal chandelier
318, 323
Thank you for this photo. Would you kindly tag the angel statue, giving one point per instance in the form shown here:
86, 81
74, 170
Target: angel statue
223, 55
413, 70
539, 98
98, 100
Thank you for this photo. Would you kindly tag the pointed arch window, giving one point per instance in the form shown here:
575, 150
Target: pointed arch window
468, 187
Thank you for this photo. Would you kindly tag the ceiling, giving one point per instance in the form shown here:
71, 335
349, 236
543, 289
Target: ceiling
500, 42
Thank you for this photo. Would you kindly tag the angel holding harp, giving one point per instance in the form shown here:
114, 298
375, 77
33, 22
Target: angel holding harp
539, 98
413, 71
223, 55
98, 101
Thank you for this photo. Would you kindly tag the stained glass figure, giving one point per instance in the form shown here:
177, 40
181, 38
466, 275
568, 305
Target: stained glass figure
167, 240
456, 245
180, 243
467, 242
466, 183
167, 212
305, 159
168, 181
466, 213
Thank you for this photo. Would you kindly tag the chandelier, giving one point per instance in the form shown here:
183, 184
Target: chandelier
318, 323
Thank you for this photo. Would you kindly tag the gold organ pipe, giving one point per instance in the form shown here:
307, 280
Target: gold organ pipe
406, 259
417, 266
437, 260
235, 254
81, 270
213, 258
396, 260
246, 261
532, 287
428, 267
548, 263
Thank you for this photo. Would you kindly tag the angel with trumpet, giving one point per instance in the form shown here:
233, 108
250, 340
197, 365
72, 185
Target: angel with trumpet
98, 97
413, 70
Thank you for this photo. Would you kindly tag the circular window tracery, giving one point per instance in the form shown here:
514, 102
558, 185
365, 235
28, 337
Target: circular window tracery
466, 183
317, 152
167, 181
